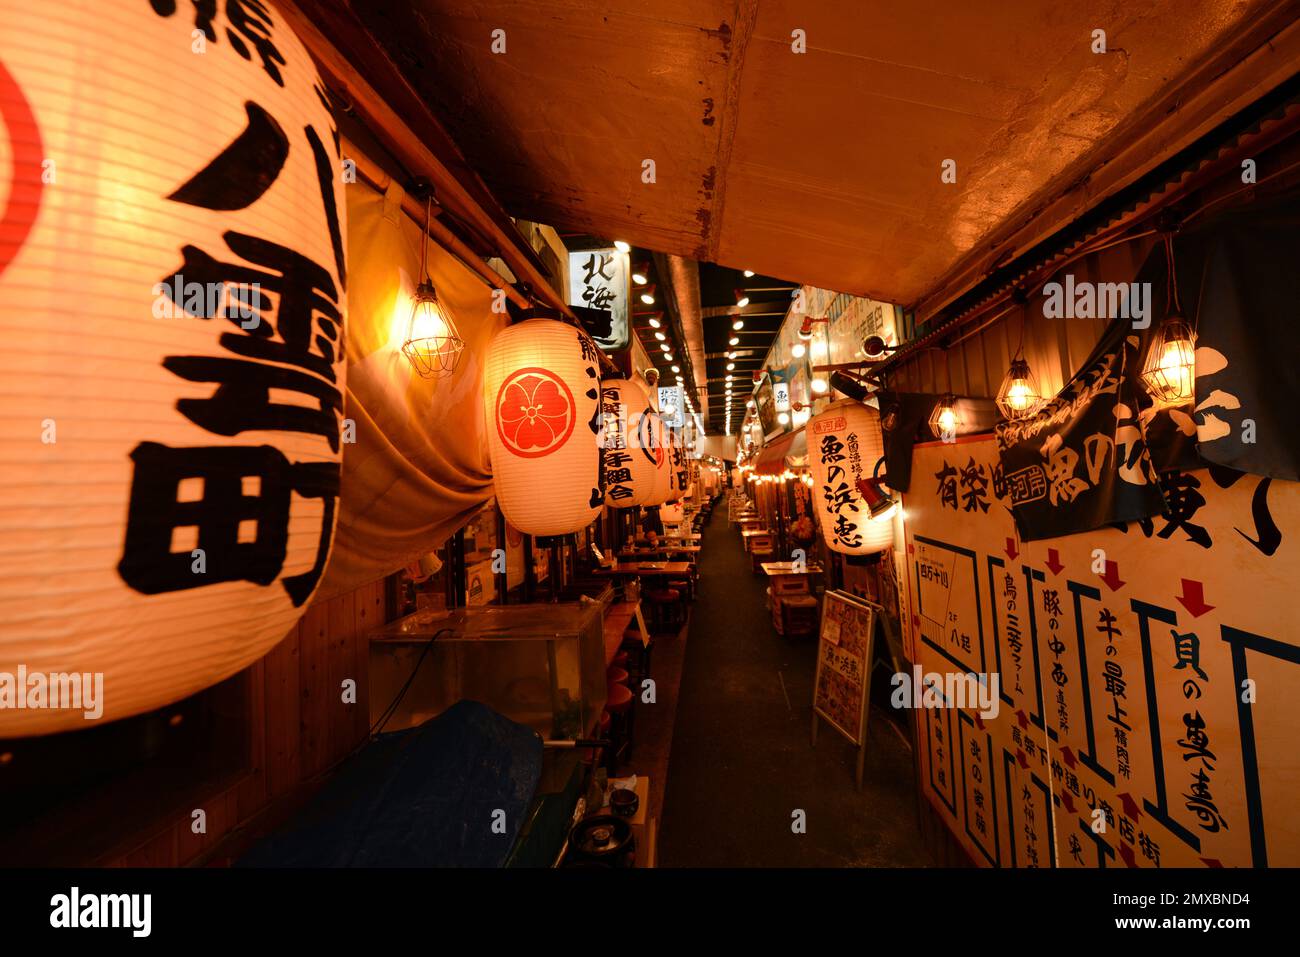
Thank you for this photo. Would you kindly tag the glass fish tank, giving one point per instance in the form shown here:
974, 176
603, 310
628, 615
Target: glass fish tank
540, 664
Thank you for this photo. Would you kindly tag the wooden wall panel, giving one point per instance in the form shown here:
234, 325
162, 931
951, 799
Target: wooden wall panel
300, 729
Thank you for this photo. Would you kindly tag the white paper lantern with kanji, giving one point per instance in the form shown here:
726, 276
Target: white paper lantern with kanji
844, 445
172, 301
627, 453
656, 433
541, 391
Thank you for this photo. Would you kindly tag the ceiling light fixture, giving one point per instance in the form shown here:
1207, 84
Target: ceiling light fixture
622, 246
1019, 396
432, 346
1169, 372
742, 298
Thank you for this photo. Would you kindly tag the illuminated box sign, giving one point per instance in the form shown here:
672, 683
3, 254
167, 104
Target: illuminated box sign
670, 406
598, 280
781, 395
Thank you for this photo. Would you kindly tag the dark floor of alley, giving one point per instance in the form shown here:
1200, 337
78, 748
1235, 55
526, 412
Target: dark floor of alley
741, 761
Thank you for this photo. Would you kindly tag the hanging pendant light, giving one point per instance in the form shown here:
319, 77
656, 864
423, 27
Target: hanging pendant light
1169, 372
944, 420
1019, 397
433, 345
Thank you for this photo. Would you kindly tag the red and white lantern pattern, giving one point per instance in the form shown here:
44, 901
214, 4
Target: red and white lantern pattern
844, 446
541, 393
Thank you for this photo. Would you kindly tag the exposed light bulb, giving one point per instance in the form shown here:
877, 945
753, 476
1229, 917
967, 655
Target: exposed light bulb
819, 386
654, 323
798, 350
647, 298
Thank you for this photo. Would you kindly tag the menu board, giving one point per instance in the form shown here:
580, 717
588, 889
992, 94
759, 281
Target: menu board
844, 664
1123, 697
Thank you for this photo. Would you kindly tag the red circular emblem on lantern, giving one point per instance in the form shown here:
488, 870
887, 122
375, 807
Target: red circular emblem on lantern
17, 218
534, 413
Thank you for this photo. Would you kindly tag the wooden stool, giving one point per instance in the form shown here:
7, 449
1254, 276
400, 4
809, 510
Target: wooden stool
638, 653
618, 706
665, 609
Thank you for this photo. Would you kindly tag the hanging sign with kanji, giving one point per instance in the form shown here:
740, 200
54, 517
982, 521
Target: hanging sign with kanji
599, 280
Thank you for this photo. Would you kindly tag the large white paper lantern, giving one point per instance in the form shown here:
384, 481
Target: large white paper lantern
844, 445
541, 391
655, 434
627, 452
172, 302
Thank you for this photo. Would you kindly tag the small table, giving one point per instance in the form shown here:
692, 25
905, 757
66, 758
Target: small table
789, 570
794, 609
653, 570
660, 551
748, 534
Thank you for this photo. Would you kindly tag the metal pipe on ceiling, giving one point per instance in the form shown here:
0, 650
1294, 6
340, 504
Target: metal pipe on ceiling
684, 275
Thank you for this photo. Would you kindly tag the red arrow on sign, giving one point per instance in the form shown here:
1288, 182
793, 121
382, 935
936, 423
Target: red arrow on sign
1211, 862
1126, 852
1067, 801
1020, 756
1011, 549
1054, 561
1193, 598
1130, 806
1068, 755
979, 721
1022, 718
1111, 577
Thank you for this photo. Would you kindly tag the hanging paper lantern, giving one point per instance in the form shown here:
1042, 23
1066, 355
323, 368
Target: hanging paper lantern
656, 433
627, 454
844, 445
541, 391
172, 298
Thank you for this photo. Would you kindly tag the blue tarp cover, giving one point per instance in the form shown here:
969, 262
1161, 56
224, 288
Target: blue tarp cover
425, 797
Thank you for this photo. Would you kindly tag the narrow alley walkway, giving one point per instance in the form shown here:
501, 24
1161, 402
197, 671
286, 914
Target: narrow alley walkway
741, 761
